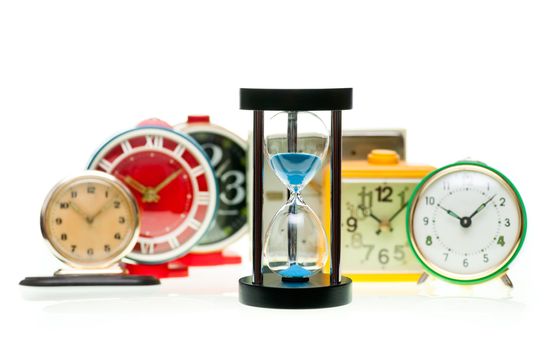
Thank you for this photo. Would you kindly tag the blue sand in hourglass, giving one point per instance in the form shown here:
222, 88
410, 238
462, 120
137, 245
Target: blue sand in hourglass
295, 271
295, 169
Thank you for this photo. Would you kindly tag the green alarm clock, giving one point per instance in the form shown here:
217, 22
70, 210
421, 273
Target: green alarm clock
466, 223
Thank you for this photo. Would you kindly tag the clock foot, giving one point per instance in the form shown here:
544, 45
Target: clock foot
89, 280
507, 281
423, 278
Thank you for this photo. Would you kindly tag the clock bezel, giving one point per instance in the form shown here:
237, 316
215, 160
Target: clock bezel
212, 185
431, 178
110, 180
188, 128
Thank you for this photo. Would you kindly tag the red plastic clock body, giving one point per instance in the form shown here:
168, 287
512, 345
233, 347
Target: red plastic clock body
176, 190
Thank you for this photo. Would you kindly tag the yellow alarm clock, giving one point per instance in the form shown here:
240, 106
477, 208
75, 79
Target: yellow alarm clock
375, 194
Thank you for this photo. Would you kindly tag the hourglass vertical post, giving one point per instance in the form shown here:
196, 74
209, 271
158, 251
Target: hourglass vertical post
336, 158
292, 139
258, 127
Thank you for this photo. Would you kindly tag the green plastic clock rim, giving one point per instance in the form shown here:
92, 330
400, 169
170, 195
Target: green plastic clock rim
503, 267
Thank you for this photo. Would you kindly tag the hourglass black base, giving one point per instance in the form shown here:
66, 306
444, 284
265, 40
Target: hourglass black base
276, 293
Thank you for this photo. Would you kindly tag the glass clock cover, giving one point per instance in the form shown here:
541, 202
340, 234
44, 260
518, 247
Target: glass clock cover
467, 222
90, 221
295, 243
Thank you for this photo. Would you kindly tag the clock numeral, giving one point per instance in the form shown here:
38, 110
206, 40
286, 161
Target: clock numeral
428, 240
74, 247
430, 200
446, 186
486, 258
236, 187
215, 153
383, 256
91, 189
158, 142
126, 147
507, 222
147, 247
384, 193
501, 241
502, 201
90, 251
446, 256
426, 220
402, 196
153, 141
369, 198
174, 242
465, 262
399, 252
117, 235
105, 165
107, 248
352, 223
64, 205
203, 198
116, 204
121, 220
74, 194
106, 194
58, 221
64, 237
179, 150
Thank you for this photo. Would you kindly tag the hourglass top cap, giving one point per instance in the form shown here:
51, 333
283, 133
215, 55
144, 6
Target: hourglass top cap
296, 99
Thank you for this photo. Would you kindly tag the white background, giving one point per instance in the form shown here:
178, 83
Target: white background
467, 79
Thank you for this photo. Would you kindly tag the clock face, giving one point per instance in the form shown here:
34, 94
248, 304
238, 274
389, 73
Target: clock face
90, 221
466, 223
173, 183
227, 154
373, 232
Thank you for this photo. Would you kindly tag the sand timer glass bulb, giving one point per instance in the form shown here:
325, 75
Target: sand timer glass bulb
295, 244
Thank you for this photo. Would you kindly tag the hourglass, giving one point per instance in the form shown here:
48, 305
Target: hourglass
294, 248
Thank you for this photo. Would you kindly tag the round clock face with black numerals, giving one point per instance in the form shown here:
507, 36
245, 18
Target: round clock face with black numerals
466, 223
174, 184
90, 221
227, 154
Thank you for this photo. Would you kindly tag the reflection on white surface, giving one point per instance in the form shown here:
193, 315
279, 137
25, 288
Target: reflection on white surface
215, 290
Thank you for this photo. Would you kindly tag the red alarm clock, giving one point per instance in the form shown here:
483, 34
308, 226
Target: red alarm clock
175, 187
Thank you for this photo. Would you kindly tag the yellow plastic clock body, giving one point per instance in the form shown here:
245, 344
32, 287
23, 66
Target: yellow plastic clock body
375, 194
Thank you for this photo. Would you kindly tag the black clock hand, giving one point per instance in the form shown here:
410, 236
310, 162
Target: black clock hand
450, 212
371, 215
481, 207
398, 212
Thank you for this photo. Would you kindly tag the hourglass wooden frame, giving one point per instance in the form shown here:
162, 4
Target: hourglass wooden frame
267, 289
